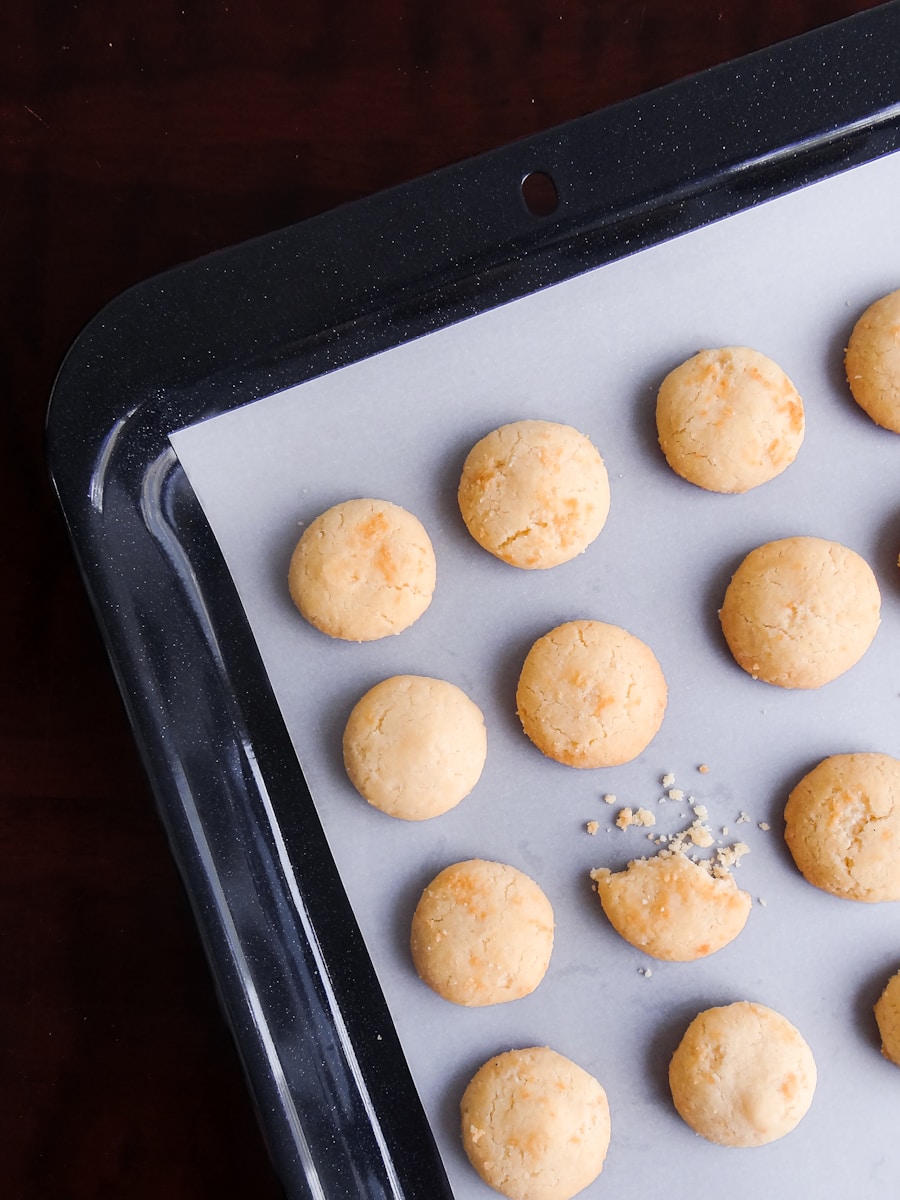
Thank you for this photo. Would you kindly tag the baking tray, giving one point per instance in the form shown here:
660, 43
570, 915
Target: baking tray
315, 1031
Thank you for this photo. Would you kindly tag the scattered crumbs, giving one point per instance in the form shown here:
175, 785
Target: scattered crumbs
628, 817
609, 798
668, 780
675, 794
762, 901
592, 827
703, 769
645, 971
764, 826
743, 819
729, 856
701, 811
724, 831
699, 834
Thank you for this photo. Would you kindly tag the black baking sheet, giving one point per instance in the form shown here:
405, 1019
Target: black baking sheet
310, 1020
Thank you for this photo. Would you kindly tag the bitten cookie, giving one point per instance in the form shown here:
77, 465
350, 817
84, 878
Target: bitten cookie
887, 1017
414, 746
671, 907
591, 694
842, 826
362, 570
534, 493
872, 361
800, 611
482, 934
742, 1075
729, 419
535, 1125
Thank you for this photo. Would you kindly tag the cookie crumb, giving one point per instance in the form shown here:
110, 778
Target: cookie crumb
743, 819
609, 798
645, 971
675, 794
703, 769
668, 780
764, 826
592, 827
762, 902
628, 817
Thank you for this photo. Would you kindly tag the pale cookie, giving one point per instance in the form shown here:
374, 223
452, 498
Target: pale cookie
729, 420
362, 570
742, 1075
887, 1017
482, 934
534, 493
842, 826
671, 907
414, 746
535, 1125
591, 695
800, 611
872, 361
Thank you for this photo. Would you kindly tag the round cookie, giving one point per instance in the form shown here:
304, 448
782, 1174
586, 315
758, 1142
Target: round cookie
591, 694
414, 746
671, 907
800, 611
842, 826
742, 1075
482, 934
887, 1017
362, 570
535, 1125
872, 361
534, 493
729, 419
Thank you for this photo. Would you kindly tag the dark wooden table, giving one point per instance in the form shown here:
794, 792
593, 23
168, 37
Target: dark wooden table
134, 137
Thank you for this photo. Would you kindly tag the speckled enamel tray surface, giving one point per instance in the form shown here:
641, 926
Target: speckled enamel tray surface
331, 1027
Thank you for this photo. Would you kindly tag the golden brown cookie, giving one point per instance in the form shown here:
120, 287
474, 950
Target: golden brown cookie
362, 570
591, 694
887, 1017
414, 746
872, 361
671, 907
729, 419
534, 493
482, 934
800, 611
742, 1075
842, 826
535, 1125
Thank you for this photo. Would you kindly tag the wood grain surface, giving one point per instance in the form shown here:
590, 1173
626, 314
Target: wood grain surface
134, 137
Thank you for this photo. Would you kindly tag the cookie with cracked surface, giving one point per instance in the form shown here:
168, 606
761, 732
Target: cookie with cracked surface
800, 611
535, 1125
872, 361
534, 493
414, 747
591, 694
742, 1075
887, 1018
729, 419
842, 826
482, 934
362, 570
671, 907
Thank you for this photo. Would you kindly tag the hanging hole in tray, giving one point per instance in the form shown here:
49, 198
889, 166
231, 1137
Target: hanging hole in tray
540, 194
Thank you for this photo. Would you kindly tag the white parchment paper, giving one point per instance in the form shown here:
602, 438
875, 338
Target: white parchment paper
788, 278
